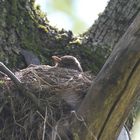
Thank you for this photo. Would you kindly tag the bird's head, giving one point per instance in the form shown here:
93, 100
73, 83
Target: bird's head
67, 61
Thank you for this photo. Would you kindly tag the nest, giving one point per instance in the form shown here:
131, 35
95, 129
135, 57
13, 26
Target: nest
58, 90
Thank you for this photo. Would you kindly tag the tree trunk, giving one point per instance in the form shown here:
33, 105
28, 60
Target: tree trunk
114, 91
114, 21
108, 29
22, 26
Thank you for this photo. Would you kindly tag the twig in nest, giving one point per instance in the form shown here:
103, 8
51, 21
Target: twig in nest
81, 119
44, 127
10, 74
20, 86
34, 72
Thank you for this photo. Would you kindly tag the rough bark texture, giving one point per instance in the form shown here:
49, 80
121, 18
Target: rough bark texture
108, 29
114, 21
22, 26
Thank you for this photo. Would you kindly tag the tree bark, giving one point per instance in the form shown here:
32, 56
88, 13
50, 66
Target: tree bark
108, 29
114, 91
114, 21
22, 26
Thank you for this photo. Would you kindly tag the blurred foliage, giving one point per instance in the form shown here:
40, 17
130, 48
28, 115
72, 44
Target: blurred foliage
67, 8
63, 5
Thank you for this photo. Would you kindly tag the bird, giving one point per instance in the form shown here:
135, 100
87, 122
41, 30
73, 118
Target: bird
67, 61
71, 97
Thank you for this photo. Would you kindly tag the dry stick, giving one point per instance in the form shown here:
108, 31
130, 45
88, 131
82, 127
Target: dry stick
10, 74
44, 127
20, 86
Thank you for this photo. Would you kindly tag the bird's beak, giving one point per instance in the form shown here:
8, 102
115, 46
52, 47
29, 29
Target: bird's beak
56, 59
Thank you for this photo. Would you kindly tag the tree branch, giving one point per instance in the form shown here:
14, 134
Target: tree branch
10, 74
20, 87
113, 92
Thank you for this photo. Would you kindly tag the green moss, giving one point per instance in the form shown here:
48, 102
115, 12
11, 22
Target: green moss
1, 82
76, 137
11, 21
58, 37
2, 56
37, 7
14, 7
30, 32
43, 28
77, 41
40, 14
12, 13
32, 2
